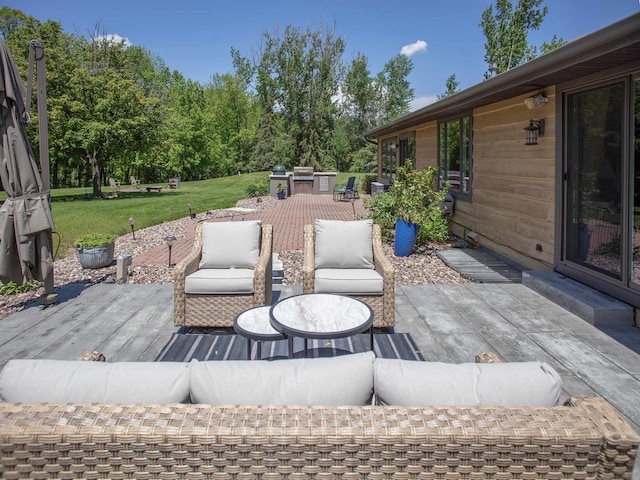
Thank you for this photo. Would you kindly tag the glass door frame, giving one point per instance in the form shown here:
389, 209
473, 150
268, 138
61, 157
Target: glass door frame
622, 288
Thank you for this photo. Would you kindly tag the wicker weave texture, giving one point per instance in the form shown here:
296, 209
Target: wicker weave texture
220, 310
383, 306
584, 440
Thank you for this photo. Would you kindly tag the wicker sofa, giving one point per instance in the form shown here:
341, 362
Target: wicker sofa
221, 437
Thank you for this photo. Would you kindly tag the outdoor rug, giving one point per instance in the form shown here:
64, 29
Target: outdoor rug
183, 347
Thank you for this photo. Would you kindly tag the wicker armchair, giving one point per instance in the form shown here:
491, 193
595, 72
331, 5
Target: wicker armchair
218, 309
382, 302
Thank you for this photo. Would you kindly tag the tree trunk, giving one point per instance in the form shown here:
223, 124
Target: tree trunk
95, 176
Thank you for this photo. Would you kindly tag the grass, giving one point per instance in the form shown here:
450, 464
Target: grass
76, 213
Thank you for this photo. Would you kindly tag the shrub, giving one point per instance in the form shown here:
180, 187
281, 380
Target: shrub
382, 211
12, 288
94, 240
366, 182
412, 199
257, 190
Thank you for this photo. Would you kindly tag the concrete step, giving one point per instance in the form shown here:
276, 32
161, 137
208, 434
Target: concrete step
595, 307
480, 265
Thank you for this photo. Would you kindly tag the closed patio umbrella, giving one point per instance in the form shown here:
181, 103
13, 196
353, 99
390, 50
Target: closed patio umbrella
25, 216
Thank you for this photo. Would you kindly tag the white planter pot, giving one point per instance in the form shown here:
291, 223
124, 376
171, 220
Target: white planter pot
96, 257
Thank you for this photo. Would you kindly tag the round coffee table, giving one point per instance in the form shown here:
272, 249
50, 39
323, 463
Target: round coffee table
320, 316
254, 324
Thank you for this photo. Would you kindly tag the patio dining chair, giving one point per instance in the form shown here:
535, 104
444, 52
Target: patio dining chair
342, 192
346, 258
227, 272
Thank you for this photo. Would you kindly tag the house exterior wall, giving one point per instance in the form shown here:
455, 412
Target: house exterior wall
512, 204
427, 146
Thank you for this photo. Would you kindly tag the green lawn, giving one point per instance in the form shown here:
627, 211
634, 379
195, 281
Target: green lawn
76, 213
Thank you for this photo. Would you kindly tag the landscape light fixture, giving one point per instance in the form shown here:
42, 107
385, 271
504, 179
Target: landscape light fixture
535, 101
191, 214
132, 222
170, 239
534, 130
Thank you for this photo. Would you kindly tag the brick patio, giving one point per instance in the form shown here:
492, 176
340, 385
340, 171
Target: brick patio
288, 218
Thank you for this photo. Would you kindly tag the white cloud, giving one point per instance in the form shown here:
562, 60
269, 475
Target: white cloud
419, 46
114, 38
418, 103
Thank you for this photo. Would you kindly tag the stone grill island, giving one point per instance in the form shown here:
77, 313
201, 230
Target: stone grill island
301, 180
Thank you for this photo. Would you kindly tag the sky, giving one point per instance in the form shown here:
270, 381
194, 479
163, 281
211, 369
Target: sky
441, 37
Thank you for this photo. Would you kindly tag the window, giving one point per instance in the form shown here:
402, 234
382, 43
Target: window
454, 154
398, 151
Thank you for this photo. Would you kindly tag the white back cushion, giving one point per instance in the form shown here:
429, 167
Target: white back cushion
344, 244
62, 381
410, 383
230, 244
341, 380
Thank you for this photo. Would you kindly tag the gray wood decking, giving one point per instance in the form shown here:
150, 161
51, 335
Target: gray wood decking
449, 323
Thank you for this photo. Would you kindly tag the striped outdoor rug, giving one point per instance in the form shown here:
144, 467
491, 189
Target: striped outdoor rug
183, 347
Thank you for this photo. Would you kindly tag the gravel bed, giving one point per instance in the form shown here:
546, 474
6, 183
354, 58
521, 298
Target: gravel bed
421, 267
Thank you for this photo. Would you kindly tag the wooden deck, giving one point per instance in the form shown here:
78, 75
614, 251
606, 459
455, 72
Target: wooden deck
449, 323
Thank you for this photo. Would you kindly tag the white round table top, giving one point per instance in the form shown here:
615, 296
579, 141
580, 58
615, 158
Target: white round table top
320, 315
256, 322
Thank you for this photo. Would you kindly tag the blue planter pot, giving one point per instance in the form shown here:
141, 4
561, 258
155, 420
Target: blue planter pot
405, 238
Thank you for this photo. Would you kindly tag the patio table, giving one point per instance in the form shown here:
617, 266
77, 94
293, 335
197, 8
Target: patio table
321, 316
253, 324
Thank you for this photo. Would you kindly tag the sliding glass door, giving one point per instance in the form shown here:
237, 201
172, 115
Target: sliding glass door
595, 187
601, 206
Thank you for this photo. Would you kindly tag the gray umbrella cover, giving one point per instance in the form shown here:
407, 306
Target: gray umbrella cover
25, 216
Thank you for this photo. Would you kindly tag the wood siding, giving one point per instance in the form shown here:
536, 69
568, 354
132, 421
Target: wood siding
513, 196
512, 204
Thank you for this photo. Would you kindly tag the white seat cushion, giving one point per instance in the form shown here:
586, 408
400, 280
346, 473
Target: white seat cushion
230, 244
350, 281
211, 281
342, 244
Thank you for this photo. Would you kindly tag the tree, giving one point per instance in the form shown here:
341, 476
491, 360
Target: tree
109, 116
451, 87
556, 42
298, 75
234, 116
394, 90
506, 32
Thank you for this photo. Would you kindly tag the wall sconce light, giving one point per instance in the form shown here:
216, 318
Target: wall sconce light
170, 239
191, 214
534, 130
132, 222
535, 101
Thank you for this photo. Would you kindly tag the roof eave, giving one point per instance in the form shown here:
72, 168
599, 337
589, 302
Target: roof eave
527, 77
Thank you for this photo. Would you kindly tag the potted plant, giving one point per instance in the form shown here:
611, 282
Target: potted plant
95, 250
281, 191
414, 201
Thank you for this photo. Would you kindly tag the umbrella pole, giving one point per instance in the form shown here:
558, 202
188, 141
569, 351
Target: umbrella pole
49, 296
